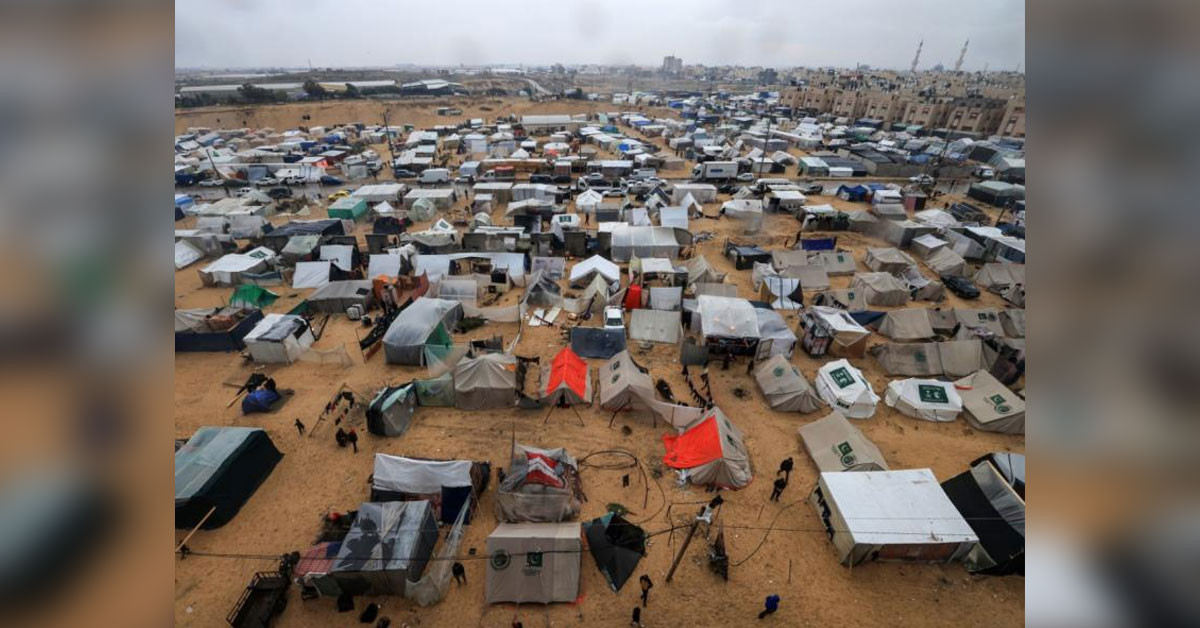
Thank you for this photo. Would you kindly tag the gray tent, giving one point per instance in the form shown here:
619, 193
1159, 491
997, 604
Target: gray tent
388, 545
534, 563
712, 452
1013, 321
835, 444
888, 260
335, 296
906, 324
436, 392
811, 277
391, 411
623, 384
426, 321
542, 485
955, 358
834, 262
989, 405
946, 262
699, 270
998, 276
486, 382
880, 288
655, 326
986, 318
785, 387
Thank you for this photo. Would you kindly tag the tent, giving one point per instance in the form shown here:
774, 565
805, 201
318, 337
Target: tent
955, 358
987, 319
349, 208
383, 264
448, 485
1013, 322
844, 387
588, 201
261, 400
835, 444
566, 380
888, 260
834, 262
390, 412
617, 546
927, 245
628, 242
998, 276
712, 452
311, 274
773, 329
927, 399
597, 342
435, 392
186, 254
748, 211
623, 384
839, 324
228, 269
907, 324
785, 387
279, 339
945, 261
214, 329
996, 513
880, 289
485, 383
891, 516
388, 545
219, 469
425, 322
336, 296
541, 290
251, 296
300, 247
990, 406
655, 326
534, 563
542, 485
699, 270
582, 272
725, 317
422, 209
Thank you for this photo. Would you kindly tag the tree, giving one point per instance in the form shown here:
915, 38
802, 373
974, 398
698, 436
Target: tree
314, 90
252, 94
352, 91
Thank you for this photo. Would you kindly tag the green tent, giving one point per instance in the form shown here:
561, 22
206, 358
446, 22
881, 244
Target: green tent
438, 391
348, 208
250, 295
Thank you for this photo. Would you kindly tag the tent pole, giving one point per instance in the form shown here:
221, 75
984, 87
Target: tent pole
682, 548
189, 534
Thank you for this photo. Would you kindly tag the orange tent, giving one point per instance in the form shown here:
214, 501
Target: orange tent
712, 452
567, 378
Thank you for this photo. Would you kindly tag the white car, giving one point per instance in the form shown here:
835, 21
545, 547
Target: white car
746, 177
923, 179
294, 181
242, 192
266, 182
614, 318
211, 183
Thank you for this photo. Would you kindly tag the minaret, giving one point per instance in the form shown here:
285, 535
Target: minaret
917, 57
962, 55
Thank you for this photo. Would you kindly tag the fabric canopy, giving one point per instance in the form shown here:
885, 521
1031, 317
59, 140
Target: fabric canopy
711, 452
567, 380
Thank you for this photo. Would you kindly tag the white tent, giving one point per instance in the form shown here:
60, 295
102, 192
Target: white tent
386, 264
844, 387
588, 201
311, 274
748, 211
278, 339
675, 217
384, 209
228, 270
186, 255
846, 330
926, 399
582, 271
726, 317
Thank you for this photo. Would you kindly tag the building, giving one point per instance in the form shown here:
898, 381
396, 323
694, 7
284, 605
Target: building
1012, 122
672, 65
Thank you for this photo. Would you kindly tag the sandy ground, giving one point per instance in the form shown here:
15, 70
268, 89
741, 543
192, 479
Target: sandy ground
795, 559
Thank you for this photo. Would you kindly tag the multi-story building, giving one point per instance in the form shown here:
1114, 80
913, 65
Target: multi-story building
672, 65
1012, 123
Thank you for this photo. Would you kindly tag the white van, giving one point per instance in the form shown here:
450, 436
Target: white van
434, 175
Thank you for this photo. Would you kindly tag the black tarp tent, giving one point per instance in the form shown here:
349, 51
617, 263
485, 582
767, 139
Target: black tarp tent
391, 411
214, 329
997, 516
616, 545
220, 468
595, 342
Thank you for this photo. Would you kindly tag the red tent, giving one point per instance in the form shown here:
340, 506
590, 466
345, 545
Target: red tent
566, 378
633, 297
712, 451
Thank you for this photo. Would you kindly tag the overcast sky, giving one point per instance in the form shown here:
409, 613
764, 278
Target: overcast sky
781, 33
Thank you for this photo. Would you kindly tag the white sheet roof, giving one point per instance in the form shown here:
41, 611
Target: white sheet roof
896, 507
610, 271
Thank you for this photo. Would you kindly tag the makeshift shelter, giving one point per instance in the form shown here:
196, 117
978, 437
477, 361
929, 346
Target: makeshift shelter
566, 380
891, 516
880, 289
534, 563
888, 260
907, 324
628, 242
349, 208
747, 211
217, 470
388, 545
617, 546
1013, 322
848, 336
785, 387
279, 339
487, 382
699, 270
251, 296
774, 331
596, 342
311, 274
711, 452
725, 317
998, 276
542, 485
927, 399
582, 272
336, 297
588, 201
927, 245
214, 329
834, 262
835, 444
437, 392
955, 358
390, 412
990, 406
996, 514
448, 485
229, 269
261, 400
425, 322
655, 326
623, 384
946, 262
845, 389
186, 254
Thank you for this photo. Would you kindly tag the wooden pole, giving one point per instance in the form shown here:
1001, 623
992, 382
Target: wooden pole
189, 535
683, 548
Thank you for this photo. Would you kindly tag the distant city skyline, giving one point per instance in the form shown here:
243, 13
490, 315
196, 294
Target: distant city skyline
768, 33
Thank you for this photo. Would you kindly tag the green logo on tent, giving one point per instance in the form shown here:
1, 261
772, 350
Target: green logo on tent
841, 377
500, 560
533, 560
843, 448
932, 394
996, 399
778, 372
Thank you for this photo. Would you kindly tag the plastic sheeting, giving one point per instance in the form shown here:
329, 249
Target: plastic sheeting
432, 586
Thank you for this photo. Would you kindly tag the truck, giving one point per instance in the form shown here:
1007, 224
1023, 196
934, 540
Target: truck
434, 175
265, 597
503, 173
715, 171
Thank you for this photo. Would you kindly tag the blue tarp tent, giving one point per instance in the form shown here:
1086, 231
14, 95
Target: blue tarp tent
260, 400
853, 192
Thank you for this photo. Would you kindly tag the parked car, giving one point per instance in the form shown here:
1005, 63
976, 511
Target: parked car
294, 181
811, 188
404, 173
922, 179
746, 177
242, 192
330, 180
541, 178
465, 180
562, 179
211, 183
266, 182
961, 286
279, 192
339, 195
614, 318
983, 172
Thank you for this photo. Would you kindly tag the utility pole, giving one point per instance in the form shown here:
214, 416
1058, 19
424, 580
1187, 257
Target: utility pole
683, 548
387, 134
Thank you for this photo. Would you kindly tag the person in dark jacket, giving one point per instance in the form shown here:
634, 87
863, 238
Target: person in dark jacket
772, 605
352, 438
780, 484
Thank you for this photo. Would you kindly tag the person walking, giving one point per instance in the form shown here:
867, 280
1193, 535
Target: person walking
637, 617
340, 437
352, 438
300, 427
780, 484
772, 605
460, 573
785, 468
646, 585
